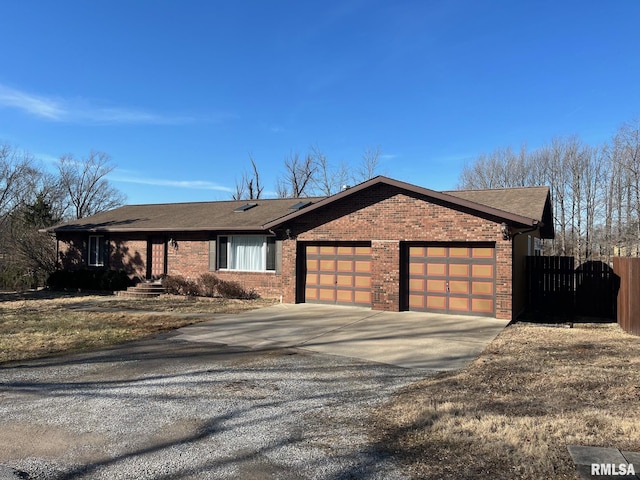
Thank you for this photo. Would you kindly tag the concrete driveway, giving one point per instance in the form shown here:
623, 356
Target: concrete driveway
405, 339
184, 406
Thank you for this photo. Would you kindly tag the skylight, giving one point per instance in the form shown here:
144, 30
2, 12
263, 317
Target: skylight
245, 207
300, 205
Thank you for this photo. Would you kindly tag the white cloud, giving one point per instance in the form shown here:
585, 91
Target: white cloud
33, 104
65, 110
158, 182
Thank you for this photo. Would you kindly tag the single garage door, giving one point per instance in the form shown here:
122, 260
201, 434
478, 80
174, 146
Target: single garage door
339, 274
455, 278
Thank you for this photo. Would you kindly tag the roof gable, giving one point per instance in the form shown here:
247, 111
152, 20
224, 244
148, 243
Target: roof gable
464, 201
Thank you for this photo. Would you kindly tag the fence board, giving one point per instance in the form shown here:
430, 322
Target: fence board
558, 289
551, 284
628, 305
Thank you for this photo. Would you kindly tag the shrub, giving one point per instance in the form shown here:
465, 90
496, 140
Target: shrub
230, 289
208, 284
178, 285
89, 280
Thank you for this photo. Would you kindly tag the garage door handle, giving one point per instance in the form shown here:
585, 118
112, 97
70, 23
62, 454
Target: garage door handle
447, 287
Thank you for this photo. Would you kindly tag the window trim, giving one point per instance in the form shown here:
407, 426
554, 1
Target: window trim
98, 252
225, 253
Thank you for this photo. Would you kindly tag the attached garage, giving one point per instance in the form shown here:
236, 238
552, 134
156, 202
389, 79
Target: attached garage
338, 273
383, 244
452, 278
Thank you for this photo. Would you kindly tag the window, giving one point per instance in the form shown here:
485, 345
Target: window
96, 251
251, 253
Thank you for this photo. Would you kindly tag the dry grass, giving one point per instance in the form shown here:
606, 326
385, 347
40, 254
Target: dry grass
512, 412
39, 324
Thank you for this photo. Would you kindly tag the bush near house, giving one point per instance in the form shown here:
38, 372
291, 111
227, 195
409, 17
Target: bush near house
110, 280
207, 285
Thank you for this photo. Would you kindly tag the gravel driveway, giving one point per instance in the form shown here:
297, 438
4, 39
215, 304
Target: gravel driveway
167, 408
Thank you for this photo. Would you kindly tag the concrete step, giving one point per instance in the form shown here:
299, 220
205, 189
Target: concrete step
143, 290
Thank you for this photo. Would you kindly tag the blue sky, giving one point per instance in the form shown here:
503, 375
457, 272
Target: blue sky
180, 93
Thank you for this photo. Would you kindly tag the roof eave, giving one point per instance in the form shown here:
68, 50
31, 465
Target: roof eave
159, 230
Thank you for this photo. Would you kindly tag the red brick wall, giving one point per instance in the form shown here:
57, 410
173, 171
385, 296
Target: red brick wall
386, 215
191, 259
129, 253
72, 251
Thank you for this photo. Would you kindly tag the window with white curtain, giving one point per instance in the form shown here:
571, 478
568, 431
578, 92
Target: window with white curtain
250, 253
96, 250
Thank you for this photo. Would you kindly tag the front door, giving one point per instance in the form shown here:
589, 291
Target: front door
157, 257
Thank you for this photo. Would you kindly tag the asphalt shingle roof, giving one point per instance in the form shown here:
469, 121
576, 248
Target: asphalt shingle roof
195, 216
523, 205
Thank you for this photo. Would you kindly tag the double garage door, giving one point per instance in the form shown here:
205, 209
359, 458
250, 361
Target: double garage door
441, 278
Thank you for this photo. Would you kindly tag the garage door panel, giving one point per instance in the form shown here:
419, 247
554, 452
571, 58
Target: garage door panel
482, 252
480, 305
344, 296
362, 266
458, 287
417, 302
459, 270
326, 280
363, 298
452, 279
436, 286
436, 269
459, 252
417, 269
437, 252
417, 285
482, 288
328, 265
459, 304
482, 271
341, 274
435, 302
327, 295
345, 265
363, 251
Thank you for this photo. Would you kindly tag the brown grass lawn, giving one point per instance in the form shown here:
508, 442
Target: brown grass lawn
38, 324
512, 413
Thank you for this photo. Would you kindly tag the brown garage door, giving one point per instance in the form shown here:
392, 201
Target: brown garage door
452, 279
338, 274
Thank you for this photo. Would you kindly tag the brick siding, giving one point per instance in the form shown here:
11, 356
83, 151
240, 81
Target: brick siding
386, 215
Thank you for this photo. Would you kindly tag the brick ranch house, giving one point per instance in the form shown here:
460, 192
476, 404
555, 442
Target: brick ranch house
385, 244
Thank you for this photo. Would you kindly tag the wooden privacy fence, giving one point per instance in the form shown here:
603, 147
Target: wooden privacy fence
558, 289
628, 269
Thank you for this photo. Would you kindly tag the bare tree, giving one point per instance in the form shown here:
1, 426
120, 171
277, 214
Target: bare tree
85, 183
627, 157
368, 166
298, 178
18, 178
249, 187
329, 179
